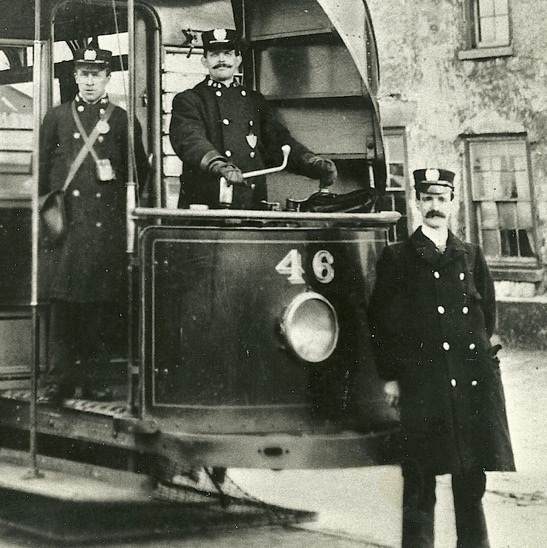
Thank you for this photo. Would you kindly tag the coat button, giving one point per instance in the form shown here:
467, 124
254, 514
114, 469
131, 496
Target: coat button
462, 276
440, 309
474, 383
465, 310
80, 108
446, 346
218, 93
436, 274
76, 193
252, 154
76, 135
98, 224
226, 122
102, 110
100, 138
243, 92
98, 195
472, 346
453, 382
228, 153
251, 123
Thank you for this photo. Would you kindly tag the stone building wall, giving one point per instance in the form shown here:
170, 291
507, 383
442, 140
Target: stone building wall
439, 96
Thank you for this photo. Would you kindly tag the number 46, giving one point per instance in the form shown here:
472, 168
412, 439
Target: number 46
291, 266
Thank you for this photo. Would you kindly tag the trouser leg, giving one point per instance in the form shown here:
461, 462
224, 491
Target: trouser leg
62, 344
468, 490
418, 507
94, 351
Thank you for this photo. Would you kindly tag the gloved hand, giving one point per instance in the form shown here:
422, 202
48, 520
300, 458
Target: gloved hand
325, 170
230, 172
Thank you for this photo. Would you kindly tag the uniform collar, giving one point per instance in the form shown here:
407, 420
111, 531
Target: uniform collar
219, 85
102, 101
426, 249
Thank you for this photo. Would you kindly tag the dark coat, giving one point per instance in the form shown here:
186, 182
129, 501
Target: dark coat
215, 121
90, 263
432, 316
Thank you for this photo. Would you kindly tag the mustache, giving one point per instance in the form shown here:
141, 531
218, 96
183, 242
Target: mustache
222, 65
435, 213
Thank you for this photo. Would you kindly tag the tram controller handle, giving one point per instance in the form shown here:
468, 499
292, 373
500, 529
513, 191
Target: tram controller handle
226, 192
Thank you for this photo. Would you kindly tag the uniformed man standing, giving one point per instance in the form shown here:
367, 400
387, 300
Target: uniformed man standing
220, 129
432, 314
87, 270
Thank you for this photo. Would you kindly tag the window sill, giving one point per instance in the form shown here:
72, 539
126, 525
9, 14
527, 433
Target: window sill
530, 273
485, 53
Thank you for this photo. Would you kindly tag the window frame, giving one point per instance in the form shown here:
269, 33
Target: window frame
473, 48
513, 267
400, 131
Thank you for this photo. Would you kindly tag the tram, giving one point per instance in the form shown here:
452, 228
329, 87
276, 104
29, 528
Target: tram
246, 341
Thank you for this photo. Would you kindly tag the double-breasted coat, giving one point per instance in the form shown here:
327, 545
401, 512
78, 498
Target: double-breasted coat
432, 316
231, 123
90, 263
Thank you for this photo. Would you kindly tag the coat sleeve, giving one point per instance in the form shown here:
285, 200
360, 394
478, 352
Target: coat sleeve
141, 161
485, 286
187, 131
382, 313
49, 141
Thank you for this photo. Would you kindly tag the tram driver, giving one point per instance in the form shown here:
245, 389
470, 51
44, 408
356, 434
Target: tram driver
220, 129
83, 148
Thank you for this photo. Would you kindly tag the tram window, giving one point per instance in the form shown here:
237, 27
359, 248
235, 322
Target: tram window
117, 87
16, 122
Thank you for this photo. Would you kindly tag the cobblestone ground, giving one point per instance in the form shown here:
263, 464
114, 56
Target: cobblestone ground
361, 507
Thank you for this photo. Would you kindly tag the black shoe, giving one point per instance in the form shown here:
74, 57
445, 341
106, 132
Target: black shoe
52, 395
97, 394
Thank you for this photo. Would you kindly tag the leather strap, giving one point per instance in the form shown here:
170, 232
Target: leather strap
89, 141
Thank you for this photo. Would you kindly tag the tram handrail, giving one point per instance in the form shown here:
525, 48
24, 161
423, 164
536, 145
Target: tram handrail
370, 219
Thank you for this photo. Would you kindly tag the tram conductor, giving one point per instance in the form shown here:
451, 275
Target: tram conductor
84, 147
221, 129
432, 314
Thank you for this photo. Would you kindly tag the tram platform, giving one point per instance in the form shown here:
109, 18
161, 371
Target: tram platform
71, 503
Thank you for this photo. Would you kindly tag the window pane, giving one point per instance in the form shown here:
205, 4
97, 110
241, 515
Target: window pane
523, 185
507, 215
489, 215
502, 30
501, 7
491, 243
486, 7
524, 211
487, 31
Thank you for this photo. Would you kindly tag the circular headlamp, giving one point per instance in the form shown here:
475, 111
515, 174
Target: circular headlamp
310, 327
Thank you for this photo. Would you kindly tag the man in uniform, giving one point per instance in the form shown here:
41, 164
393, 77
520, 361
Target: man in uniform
432, 314
220, 129
87, 270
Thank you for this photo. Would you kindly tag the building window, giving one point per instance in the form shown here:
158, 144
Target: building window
491, 22
395, 196
489, 30
501, 198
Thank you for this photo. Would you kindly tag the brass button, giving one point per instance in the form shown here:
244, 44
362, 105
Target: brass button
446, 346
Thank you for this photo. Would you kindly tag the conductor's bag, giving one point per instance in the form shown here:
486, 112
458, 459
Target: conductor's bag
53, 216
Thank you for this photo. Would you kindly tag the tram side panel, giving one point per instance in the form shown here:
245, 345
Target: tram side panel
216, 358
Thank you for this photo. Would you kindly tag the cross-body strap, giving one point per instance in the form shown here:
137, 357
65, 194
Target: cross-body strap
89, 141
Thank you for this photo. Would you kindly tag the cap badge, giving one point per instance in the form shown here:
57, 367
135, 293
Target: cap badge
90, 55
220, 35
432, 175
